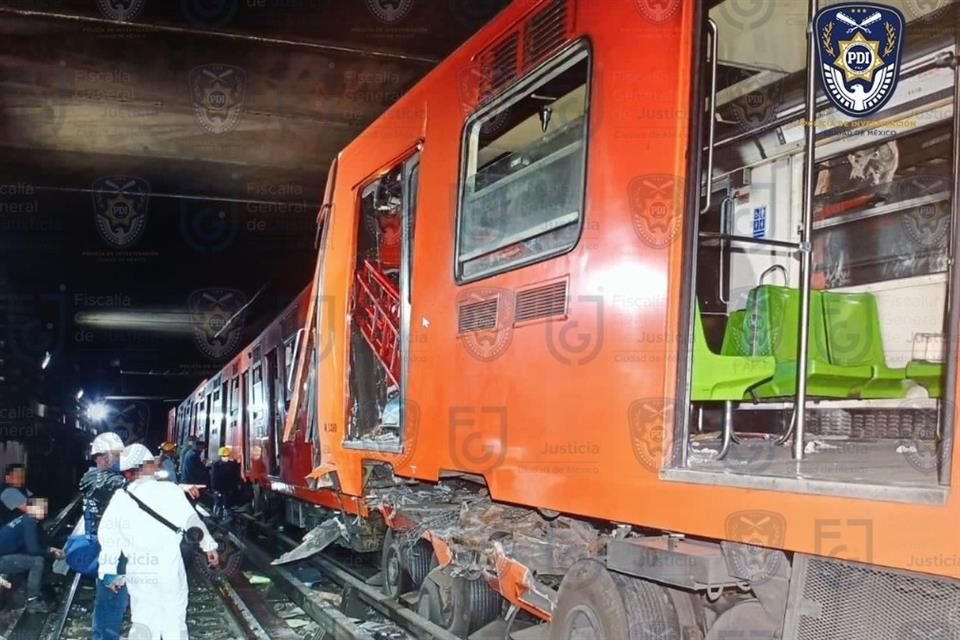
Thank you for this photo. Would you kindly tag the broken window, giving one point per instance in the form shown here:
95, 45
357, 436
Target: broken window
523, 187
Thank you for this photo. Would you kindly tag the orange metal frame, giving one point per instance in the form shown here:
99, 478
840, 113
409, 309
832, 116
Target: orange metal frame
555, 433
640, 66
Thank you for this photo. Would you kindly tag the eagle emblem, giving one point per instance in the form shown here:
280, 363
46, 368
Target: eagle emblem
120, 209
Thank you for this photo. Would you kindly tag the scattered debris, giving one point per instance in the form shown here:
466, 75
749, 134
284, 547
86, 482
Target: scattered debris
816, 446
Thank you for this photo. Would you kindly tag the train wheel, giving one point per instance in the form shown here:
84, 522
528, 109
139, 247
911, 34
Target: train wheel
435, 601
396, 579
459, 605
420, 562
595, 604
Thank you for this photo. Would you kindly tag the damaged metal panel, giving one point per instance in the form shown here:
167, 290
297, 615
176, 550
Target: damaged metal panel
472, 525
314, 542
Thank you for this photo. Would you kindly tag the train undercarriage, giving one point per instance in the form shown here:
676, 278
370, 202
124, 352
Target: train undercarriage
483, 569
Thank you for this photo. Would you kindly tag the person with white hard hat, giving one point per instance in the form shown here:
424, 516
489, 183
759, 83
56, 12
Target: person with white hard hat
97, 487
146, 523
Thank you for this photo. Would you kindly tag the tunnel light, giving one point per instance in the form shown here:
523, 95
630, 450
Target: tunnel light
46, 360
97, 412
79, 394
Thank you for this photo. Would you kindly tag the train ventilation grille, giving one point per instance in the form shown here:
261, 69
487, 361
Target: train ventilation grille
539, 35
543, 302
499, 66
478, 316
545, 32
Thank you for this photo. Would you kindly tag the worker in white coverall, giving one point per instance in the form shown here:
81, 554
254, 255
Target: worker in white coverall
156, 578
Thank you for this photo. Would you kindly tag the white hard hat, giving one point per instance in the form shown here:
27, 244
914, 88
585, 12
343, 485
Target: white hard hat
134, 456
105, 443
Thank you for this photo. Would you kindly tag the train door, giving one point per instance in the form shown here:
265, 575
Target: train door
274, 408
257, 424
234, 407
216, 419
820, 268
210, 428
380, 308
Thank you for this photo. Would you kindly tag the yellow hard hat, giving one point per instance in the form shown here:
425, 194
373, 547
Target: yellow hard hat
224, 452
167, 446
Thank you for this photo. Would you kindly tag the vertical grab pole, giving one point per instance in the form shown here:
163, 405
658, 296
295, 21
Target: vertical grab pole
945, 449
714, 49
806, 236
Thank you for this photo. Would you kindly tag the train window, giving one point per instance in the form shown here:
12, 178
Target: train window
896, 194
290, 361
522, 192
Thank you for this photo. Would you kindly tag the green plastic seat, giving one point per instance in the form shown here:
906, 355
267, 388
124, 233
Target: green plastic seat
733, 342
929, 375
854, 339
718, 377
772, 328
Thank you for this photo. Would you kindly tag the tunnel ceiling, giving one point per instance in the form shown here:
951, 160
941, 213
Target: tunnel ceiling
209, 125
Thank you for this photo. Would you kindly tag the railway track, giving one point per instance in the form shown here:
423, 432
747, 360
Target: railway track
356, 578
335, 595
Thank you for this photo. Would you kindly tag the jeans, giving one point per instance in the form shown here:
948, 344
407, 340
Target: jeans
21, 536
108, 610
22, 563
220, 509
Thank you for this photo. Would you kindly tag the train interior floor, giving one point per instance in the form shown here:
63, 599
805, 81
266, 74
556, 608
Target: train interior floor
827, 458
880, 452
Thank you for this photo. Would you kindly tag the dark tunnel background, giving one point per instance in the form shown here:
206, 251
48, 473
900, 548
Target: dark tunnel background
131, 211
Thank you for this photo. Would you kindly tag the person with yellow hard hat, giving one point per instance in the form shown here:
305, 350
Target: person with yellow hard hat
225, 483
168, 469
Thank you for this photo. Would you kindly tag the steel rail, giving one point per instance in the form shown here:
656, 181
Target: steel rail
372, 596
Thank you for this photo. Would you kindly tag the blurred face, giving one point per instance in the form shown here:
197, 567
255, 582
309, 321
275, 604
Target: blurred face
16, 478
148, 469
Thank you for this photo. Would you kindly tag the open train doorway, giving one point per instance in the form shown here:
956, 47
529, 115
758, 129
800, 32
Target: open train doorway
863, 237
380, 308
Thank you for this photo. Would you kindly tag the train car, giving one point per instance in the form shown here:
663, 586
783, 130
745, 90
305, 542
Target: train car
243, 405
619, 324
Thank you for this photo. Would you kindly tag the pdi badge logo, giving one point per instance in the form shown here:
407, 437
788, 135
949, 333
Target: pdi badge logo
209, 14
390, 11
927, 225
753, 542
485, 321
217, 320
859, 47
217, 92
648, 419
121, 10
658, 10
475, 84
120, 209
655, 201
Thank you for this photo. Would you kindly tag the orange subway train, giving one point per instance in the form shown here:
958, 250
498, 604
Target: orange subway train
618, 331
